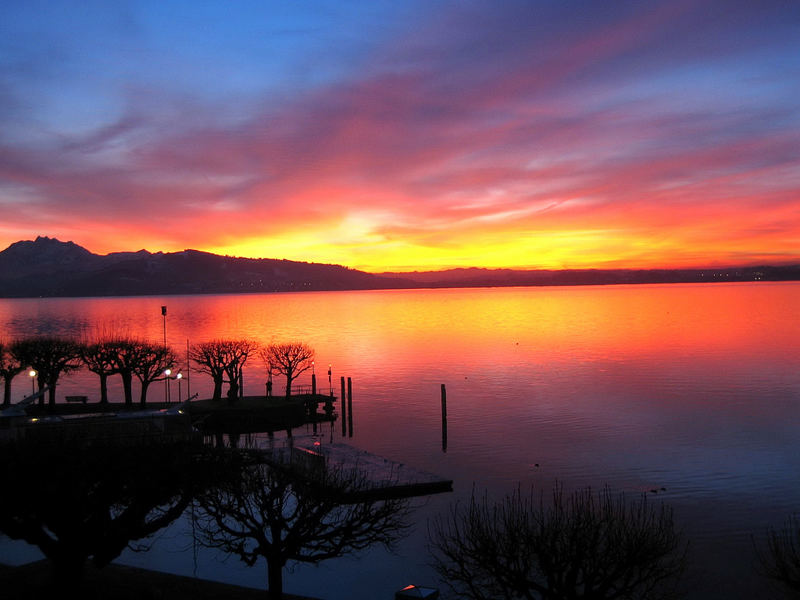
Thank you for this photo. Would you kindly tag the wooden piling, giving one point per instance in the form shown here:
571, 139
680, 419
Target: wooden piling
349, 407
444, 419
344, 411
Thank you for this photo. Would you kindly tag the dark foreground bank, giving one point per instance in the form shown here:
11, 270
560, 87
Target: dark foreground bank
31, 582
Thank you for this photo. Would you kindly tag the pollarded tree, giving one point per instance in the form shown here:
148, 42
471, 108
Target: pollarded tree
9, 368
223, 360
101, 358
126, 357
150, 363
50, 357
585, 545
289, 359
282, 515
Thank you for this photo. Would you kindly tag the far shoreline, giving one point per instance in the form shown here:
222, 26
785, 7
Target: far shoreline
560, 279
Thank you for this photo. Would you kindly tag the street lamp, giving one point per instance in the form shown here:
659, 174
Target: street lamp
32, 374
330, 382
179, 376
167, 377
166, 381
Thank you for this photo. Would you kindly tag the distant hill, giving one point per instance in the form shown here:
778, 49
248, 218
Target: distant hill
48, 267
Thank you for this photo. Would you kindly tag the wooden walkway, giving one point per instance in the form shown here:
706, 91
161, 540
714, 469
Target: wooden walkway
385, 478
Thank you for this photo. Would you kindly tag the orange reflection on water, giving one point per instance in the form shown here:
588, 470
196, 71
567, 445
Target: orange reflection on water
392, 335
504, 326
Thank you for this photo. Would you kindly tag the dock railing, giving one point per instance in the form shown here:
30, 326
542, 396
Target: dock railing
306, 390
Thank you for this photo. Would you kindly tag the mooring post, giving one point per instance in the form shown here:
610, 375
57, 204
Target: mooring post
444, 419
344, 411
349, 407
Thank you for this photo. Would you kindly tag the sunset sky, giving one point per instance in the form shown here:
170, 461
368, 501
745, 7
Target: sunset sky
400, 135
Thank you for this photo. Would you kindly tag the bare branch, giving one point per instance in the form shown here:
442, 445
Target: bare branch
224, 361
50, 357
584, 545
9, 368
288, 359
779, 558
282, 515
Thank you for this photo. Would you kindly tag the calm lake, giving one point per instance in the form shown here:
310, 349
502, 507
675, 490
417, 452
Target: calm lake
690, 388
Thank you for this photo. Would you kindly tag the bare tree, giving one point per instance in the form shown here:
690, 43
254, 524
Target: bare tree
150, 361
101, 358
9, 368
585, 545
290, 359
779, 561
238, 352
223, 360
126, 356
284, 515
49, 357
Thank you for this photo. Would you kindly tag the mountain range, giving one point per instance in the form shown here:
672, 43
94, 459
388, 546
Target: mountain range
47, 267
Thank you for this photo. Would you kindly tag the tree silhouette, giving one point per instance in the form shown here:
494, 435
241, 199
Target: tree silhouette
580, 546
149, 363
779, 561
49, 357
101, 358
303, 515
223, 360
75, 500
9, 368
289, 359
126, 358
210, 359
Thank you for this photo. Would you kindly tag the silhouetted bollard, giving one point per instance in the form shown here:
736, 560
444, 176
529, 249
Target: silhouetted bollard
349, 407
444, 419
344, 412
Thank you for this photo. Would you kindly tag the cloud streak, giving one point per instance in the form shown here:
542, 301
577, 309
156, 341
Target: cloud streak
539, 135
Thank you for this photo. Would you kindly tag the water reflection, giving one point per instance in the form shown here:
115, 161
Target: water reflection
302, 510
77, 501
691, 388
79, 498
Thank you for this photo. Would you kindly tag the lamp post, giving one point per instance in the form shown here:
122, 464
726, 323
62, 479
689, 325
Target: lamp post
330, 381
32, 374
166, 381
167, 377
179, 376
